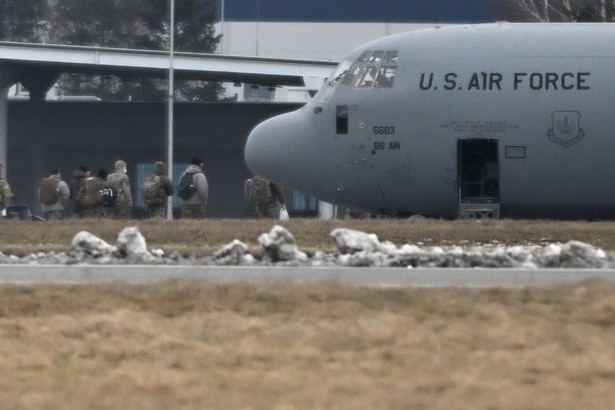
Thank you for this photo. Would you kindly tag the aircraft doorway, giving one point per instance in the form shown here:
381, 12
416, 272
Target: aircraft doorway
478, 171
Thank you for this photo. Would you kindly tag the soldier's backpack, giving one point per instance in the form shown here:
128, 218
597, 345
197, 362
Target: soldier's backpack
91, 195
48, 191
257, 190
109, 196
186, 187
153, 190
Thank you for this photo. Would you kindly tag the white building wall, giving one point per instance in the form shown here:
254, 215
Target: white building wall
304, 41
322, 41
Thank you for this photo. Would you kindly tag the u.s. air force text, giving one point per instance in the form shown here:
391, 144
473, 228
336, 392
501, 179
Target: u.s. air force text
495, 81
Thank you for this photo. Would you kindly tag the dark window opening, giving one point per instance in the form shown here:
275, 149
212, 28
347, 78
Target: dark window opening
341, 123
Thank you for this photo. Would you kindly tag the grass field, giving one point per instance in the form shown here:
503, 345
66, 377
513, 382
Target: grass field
205, 236
194, 345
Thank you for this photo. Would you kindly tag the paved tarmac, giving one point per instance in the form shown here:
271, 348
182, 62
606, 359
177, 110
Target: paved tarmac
381, 277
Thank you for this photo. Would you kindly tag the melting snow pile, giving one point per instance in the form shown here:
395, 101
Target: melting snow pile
355, 248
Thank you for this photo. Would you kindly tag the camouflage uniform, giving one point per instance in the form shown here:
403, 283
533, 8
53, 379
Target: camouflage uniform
56, 210
94, 209
5, 193
269, 209
76, 188
123, 206
160, 210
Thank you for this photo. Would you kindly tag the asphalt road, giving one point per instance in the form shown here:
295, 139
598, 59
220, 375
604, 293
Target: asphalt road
384, 277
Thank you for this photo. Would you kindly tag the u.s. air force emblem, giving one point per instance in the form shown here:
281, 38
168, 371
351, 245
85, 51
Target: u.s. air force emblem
566, 130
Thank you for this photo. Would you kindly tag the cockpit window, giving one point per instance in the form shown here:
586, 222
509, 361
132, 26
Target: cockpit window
390, 58
376, 57
386, 75
373, 69
340, 72
369, 78
353, 75
364, 57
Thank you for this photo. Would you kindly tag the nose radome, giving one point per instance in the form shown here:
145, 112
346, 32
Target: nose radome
260, 148
271, 146
285, 149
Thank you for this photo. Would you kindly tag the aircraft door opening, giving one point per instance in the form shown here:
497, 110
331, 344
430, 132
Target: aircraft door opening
478, 171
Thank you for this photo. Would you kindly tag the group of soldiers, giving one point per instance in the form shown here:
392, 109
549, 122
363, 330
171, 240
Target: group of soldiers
109, 195
94, 196
91, 196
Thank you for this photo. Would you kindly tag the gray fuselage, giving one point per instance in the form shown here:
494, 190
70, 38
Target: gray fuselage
515, 114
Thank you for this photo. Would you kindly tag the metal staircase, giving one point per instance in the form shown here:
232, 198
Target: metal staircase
479, 210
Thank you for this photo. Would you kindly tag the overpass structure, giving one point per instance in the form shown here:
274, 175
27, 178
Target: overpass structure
38, 66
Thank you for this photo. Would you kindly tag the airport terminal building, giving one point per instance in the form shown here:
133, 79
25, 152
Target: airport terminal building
68, 134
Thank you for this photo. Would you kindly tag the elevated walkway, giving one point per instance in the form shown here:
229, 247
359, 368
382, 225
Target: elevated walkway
38, 66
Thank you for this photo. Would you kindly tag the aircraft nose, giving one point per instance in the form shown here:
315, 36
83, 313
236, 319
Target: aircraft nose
260, 147
269, 147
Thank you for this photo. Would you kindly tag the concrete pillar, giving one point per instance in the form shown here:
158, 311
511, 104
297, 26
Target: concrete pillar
4, 125
38, 82
8, 77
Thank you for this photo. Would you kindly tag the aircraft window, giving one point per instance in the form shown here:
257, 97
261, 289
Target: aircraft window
376, 57
386, 76
340, 72
352, 76
369, 79
390, 57
359, 77
364, 57
373, 69
341, 119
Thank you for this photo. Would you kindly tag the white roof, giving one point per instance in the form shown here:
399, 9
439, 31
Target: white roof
147, 63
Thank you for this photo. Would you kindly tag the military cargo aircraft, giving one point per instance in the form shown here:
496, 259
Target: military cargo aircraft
489, 120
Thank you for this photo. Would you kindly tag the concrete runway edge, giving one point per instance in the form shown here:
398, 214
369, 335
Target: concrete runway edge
379, 277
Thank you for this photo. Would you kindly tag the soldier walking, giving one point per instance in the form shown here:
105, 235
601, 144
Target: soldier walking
121, 184
53, 193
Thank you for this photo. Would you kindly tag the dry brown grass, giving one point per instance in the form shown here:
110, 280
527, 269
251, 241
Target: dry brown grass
192, 345
204, 237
